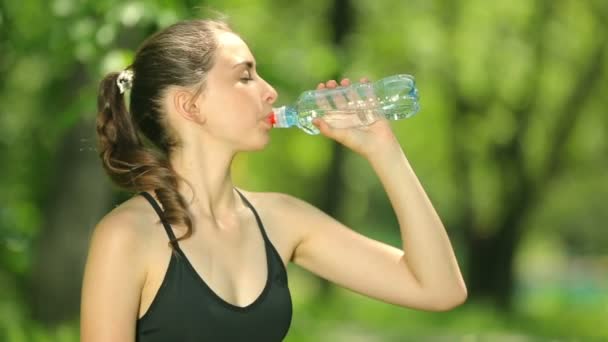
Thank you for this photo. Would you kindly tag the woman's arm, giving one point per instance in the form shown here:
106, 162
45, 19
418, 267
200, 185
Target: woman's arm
424, 274
113, 279
426, 245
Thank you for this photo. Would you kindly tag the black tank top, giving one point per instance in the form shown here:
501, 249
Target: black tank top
186, 309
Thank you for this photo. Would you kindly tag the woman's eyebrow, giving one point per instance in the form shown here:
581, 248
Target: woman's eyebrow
249, 64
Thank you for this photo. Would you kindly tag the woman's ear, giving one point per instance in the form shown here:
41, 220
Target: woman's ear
186, 105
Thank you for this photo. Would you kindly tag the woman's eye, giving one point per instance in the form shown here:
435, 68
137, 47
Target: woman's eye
246, 79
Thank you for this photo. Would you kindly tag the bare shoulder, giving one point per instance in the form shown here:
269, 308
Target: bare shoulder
123, 234
269, 200
287, 213
115, 272
126, 236
124, 225
279, 206
285, 218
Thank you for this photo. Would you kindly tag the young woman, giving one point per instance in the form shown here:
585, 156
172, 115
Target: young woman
191, 257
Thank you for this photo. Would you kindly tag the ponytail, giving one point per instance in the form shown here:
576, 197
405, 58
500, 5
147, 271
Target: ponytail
117, 137
129, 164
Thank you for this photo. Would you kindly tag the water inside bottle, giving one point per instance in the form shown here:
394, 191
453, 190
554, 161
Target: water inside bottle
349, 118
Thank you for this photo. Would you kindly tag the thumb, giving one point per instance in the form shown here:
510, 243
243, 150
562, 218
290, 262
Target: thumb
323, 127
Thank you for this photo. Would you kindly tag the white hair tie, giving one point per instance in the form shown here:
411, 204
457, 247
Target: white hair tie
125, 80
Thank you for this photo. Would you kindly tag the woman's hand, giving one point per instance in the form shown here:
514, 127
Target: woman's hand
367, 140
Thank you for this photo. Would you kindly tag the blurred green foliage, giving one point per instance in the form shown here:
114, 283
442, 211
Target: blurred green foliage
479, 65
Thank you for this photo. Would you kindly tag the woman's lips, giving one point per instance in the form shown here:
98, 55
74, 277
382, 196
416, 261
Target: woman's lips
271, 119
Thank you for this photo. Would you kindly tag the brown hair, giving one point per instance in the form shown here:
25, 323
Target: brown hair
135, 145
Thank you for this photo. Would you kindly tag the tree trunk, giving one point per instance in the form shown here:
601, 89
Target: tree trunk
332, 193
490, 268
329, 201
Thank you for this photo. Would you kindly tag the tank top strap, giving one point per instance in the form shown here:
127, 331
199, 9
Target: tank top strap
160, 213
257, 217
275, 262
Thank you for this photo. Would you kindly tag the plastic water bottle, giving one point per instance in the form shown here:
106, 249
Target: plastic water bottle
359, 104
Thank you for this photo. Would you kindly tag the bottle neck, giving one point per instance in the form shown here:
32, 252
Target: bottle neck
285, 116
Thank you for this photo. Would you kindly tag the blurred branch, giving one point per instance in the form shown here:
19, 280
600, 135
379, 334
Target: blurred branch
571, 112
517, 184
529, 101
600, 12
5, 63
461, 163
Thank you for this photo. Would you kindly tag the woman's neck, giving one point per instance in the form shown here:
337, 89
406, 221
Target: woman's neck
208, 176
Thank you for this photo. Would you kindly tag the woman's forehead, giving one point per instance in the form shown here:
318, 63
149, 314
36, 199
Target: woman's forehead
232, 50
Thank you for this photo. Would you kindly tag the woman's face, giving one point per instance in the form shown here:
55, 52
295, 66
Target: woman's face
236, 101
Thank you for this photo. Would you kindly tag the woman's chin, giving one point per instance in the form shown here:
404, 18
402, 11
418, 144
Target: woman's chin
260, 144
264, 143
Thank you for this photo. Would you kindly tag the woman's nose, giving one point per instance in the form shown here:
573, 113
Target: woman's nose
271, 94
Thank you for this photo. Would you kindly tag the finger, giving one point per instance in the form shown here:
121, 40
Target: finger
338, 97
337, 134
328, 131
331, 84
322, 98
366, 93
323, 127
354, 99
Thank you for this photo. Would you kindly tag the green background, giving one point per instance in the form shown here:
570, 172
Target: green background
510, 144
